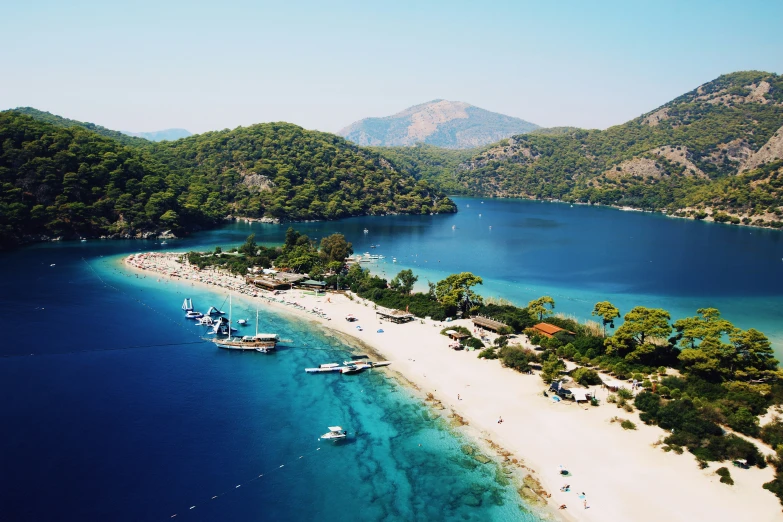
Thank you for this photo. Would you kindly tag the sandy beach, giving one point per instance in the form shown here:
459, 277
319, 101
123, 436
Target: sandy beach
622, 474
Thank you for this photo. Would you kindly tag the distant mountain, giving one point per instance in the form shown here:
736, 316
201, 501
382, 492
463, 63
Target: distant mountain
448, 124
162, 135
714, 153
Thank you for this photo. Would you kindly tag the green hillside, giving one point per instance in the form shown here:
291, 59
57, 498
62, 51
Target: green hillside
69, 181
696, 156
59, 121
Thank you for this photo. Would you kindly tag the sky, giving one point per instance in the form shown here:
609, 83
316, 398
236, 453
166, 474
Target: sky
145, 66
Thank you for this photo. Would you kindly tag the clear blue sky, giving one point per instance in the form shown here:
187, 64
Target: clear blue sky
144, 65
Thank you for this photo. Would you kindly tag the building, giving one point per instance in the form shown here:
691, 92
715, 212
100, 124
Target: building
488, 324
549, 330
394, 316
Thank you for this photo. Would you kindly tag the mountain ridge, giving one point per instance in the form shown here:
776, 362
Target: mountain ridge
714, 153
448, 124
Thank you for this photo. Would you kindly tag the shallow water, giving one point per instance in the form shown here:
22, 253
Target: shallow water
124, 413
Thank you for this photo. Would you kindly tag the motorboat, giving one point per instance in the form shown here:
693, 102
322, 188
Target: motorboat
366, 231
242, 322
354, 368
335, 433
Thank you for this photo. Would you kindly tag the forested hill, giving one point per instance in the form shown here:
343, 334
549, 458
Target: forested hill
712, 153
59, 121
70, 181
443, 123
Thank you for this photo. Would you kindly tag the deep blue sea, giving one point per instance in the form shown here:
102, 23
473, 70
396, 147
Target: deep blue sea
114, 409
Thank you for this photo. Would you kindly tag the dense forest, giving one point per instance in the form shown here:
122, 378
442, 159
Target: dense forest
61, 178
708, 154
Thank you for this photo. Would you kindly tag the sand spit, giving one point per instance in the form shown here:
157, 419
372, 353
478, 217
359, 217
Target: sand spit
624, 475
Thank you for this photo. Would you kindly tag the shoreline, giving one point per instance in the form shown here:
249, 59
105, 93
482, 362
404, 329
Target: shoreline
623, 475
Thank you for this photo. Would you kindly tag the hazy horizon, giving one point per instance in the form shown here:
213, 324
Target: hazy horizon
200, 66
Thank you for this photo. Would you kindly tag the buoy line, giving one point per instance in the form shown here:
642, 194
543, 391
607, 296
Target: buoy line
246, 483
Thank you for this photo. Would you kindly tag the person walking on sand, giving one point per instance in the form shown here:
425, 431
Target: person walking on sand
500, 420
458, 397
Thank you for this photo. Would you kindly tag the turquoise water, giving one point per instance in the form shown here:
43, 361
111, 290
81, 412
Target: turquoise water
114, 409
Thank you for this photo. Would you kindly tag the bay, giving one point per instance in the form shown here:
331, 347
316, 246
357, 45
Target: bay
110, 413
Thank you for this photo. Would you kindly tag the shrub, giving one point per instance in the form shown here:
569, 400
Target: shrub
624, 393
472, 342
664, 391
628, 425
743, 421
586, 377
488, 353
772, 433
517, 358
725, 476
611, 399
676, 394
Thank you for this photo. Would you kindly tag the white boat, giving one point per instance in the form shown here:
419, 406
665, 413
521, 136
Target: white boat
366, 231
187, 305
192, 314
354, 368
242, 322
335, 433
394, 260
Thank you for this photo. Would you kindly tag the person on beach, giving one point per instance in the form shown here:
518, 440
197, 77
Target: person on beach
458, 397
500, 420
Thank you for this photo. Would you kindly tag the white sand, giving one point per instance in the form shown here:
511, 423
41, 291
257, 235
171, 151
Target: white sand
623, 476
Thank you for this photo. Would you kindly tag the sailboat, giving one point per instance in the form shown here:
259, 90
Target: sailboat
260, 342
187, 305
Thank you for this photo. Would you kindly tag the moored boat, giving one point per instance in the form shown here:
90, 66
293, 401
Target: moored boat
335, 433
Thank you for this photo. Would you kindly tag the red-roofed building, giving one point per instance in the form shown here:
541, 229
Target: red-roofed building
549, 330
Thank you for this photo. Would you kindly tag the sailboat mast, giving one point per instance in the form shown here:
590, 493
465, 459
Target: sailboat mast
229, 317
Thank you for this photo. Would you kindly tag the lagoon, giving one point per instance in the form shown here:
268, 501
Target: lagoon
115, 409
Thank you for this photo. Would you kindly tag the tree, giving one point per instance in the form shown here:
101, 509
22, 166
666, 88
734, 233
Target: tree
404, 281
335, 248
456, 291
541, 307
643, 323
753, 358
249, 248
551, 368
607, 312
692, 330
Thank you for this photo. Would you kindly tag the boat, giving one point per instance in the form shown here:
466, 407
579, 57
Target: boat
366, 231
192, 314
328, 367
260, 342
335, 433
394, 260
354, 367
242, 322
369, 364
214, 311
187, 304
163, 243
